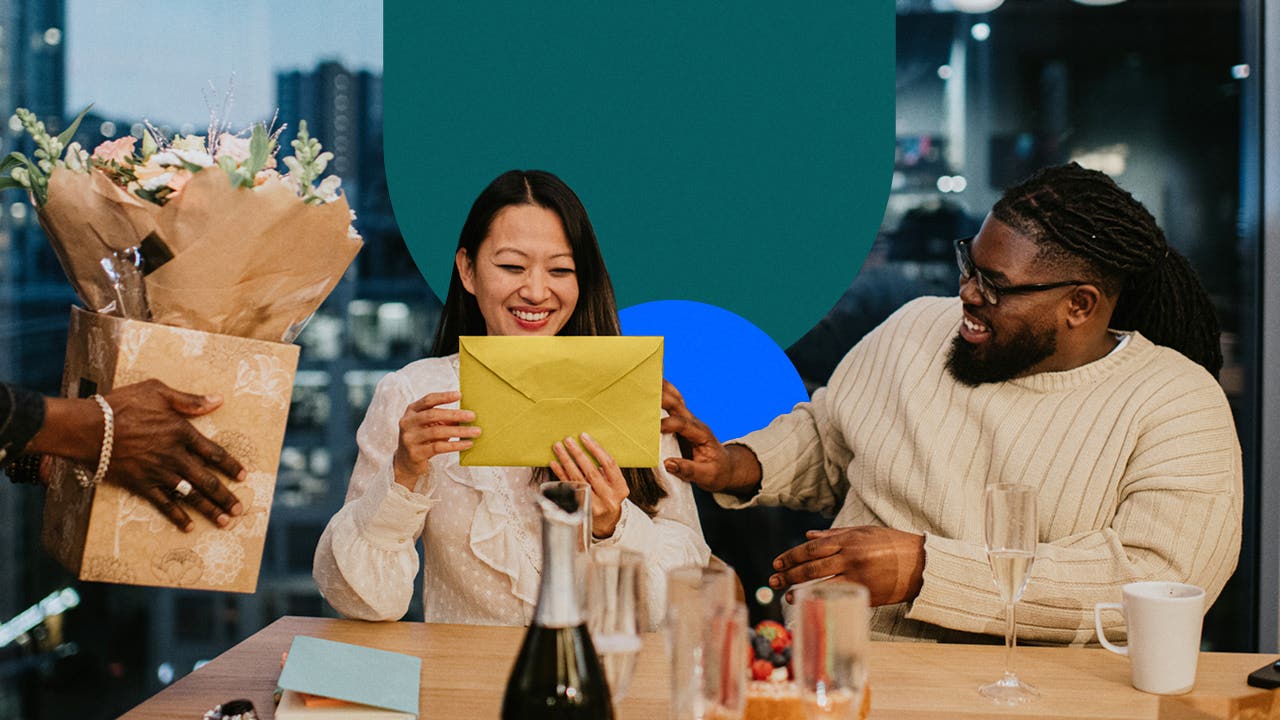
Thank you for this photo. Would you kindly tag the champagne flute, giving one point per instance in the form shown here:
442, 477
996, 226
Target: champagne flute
1011, 535
707, 644
616, 612
832, 622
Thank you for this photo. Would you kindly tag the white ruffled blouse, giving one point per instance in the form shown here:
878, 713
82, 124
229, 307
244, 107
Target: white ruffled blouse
480, 526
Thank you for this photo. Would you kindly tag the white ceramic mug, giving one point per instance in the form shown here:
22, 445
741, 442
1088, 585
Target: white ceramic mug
1164, 620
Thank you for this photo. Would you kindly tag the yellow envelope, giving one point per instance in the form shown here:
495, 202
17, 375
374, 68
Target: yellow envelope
529, 392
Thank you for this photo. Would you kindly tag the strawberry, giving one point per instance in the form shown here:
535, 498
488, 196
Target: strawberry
781, 641
770, 629
761, 669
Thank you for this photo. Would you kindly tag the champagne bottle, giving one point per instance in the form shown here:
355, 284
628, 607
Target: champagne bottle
557, 673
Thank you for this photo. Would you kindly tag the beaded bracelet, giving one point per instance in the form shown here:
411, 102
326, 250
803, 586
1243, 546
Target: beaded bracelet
24, 469
108, 439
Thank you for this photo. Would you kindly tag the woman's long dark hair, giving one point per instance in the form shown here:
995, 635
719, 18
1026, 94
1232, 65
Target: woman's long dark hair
1099, 225
596, 312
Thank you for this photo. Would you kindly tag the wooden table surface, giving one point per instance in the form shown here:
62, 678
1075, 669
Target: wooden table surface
464, 672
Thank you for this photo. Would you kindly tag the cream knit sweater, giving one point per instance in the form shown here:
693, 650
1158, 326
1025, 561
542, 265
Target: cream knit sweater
1135, 456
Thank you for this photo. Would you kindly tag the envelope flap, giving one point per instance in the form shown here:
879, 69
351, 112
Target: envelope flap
559, 417
560, 367
353, 673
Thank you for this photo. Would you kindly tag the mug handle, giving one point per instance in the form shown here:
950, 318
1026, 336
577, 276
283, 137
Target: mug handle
1097, 623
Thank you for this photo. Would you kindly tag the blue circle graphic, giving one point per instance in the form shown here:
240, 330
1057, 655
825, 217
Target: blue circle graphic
732, 375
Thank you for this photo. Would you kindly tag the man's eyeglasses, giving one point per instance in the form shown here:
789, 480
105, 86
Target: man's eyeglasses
989, 289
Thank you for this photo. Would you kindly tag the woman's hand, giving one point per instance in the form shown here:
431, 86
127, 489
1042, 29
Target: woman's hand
598, 469
426, 431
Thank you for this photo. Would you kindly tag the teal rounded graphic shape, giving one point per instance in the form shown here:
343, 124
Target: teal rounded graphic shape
734, 154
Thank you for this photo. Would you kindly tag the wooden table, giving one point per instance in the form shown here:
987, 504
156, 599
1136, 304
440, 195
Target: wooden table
464, 672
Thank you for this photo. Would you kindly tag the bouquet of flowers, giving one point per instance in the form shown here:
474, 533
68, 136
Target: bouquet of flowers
201, 232
215, 236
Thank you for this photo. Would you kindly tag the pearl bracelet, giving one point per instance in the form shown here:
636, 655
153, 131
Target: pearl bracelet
108, 439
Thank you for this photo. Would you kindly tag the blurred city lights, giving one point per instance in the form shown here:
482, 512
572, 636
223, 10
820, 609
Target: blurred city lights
976, 6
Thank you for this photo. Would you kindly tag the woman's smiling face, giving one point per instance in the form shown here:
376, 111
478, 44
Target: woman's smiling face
523, 276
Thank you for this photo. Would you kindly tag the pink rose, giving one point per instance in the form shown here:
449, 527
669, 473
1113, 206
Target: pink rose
178, 180
236, 148
119, 150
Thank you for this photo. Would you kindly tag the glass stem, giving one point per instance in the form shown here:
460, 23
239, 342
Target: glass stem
1010, 641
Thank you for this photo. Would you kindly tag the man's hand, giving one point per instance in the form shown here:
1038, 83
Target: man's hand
156, 448
713, 467
890, 563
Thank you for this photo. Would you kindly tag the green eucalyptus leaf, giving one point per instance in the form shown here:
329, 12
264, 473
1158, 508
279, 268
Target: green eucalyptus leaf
66, 135
259, 150
13, 160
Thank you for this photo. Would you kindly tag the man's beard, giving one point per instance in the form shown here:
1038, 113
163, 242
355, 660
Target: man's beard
997, 361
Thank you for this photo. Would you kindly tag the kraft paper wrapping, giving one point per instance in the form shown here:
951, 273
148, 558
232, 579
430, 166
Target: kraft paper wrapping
227, 276
110, 535
88, 218
250, 263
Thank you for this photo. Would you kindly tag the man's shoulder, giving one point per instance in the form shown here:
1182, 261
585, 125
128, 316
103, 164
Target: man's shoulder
925, 324
910, 338
1174, 383
1170, 365
925, 315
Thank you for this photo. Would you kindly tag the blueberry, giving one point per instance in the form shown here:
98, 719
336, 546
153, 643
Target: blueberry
777, 659
786, 653
761, 646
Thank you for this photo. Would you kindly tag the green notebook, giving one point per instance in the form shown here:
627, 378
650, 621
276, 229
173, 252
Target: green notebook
382, 684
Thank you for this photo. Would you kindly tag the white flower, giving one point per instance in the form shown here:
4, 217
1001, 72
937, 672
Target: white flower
328, 188
157, 182
166, 157
194, 143
194, 157
76, 158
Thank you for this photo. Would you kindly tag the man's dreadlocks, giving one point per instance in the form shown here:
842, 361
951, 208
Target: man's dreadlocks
1115, 241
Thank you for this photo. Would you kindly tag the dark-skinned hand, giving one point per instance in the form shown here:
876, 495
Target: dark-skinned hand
710, 466
890, 563
155, 448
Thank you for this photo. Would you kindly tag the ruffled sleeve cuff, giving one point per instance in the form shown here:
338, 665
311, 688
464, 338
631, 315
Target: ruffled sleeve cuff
631, 531
390, 516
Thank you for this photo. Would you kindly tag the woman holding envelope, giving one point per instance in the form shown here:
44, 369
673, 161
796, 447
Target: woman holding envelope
527, 263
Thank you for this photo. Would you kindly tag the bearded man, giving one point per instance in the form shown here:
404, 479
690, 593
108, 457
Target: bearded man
1080, 358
